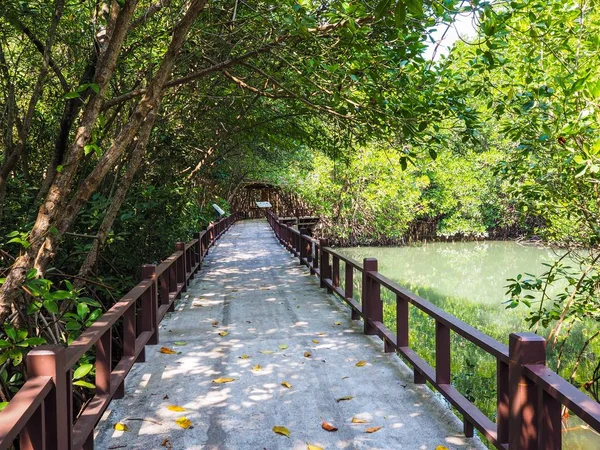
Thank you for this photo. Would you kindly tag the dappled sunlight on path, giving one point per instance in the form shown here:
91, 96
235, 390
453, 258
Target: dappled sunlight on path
254, 315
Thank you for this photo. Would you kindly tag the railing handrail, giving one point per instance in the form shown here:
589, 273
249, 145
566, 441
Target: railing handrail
42, 424
524, 383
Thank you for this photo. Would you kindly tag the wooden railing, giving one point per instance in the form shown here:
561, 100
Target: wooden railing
530, 397
40, 414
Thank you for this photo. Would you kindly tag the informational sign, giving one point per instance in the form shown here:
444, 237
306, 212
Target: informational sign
263, 204
218, 209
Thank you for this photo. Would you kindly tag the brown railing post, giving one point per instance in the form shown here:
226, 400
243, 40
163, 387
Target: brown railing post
335, 272
349, 287
502, 402
527, 411
199, 250
302, 253
442, 353
371, 297
149, 312
50, 360
325, 267
181, 266
128, 342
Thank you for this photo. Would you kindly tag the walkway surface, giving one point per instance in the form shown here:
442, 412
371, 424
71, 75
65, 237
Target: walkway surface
281, 328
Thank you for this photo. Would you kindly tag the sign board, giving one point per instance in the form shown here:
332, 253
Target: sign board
218, 209
263, 204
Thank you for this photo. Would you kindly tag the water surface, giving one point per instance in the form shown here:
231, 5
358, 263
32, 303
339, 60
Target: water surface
468, 279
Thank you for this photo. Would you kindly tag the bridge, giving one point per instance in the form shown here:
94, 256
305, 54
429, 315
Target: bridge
253, 337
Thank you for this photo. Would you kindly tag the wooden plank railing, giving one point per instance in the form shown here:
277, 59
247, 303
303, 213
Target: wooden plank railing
40, 414
530, 396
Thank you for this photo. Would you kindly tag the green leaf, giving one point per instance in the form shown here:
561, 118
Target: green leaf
84, 384
415, 7
93, 86
82, 310
5, 344
433, 154
51, 306
71, 95
400, 13
34, 341
3, 405
121, 3
59, 168
382, 7
82, 371
16, 356
11, 332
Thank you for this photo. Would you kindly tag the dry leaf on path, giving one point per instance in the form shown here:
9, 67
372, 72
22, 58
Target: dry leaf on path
281, 430
328, 427
166, 443
257, 367
167, 351
180, 343
342, 399
223, 333
357, 420
315, 341
120, 427
175, 408
286, 384
441, 447
283, 346
307, 354
184, 422
373, 429
244, 357
361, 363
322, 333
338, 323
215, 323
313, 447
223, 380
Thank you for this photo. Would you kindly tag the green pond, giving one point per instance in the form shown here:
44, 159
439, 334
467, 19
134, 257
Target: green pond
468, 279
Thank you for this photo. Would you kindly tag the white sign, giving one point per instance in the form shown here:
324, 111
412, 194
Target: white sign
218, 209
263, 204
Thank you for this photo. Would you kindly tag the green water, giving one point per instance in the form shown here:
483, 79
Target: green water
468, 279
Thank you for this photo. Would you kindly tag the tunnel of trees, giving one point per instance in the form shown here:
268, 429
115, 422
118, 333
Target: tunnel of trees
123, 121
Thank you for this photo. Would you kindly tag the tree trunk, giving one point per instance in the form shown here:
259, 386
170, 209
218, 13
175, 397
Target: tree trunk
133, 165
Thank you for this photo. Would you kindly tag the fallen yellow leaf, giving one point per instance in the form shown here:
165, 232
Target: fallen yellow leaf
315, 341
184, 422
286, 384
257, 367
223, 380
361, 363
342, 399
244, 357
441, 447
357, 420
322, 333
313, 447
167, 351
215, 323
283, 346
267, 352
328, 427
373, 429
307, 354
281, 430
223, 333
121, 427
175, 408
338, 323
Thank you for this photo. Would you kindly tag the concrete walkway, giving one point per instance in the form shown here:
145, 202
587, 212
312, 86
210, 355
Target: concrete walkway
275, 314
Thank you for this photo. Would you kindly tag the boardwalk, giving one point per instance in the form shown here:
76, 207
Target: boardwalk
275, 313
